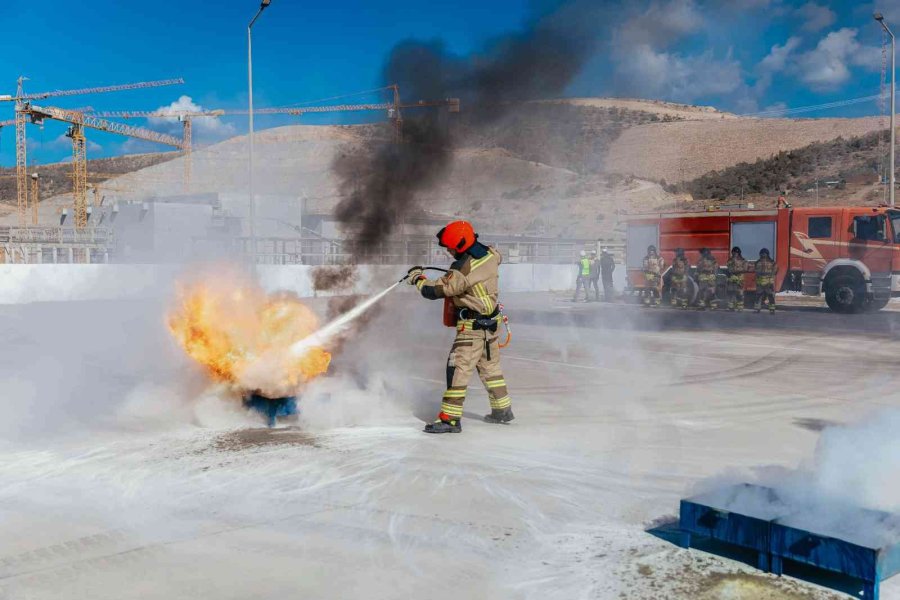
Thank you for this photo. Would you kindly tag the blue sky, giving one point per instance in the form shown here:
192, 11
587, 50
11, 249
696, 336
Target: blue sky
739, 55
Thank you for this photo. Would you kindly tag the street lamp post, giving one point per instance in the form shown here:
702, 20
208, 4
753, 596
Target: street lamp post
263, 5
880, 18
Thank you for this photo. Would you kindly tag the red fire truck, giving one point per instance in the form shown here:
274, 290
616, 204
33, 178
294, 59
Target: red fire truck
851, 254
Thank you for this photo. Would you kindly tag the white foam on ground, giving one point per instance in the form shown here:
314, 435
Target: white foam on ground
177, 494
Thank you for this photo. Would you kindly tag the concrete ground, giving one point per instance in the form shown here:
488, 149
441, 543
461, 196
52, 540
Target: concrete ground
123, 475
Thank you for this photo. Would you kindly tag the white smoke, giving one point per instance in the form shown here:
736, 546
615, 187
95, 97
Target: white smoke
857, 464
853, 468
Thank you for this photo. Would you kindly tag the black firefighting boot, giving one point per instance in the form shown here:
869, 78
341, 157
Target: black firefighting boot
500, 415
445, 424
771, 309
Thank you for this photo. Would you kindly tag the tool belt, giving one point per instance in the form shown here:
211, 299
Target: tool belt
468, 319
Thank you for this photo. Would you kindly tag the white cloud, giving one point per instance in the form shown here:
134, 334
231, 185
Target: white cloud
204, 128
661, 24
829, 64
646, 66
61, 143
773, 63
777, 57
815, 17
684, 78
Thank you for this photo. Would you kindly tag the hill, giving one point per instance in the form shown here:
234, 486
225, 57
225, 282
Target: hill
684, 150
845, 169
552, 168
56, 178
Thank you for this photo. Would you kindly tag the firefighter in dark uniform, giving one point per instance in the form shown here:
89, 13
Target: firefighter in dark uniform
765, 269
678, 279
737, 266
607, 266
707, 269
470, 290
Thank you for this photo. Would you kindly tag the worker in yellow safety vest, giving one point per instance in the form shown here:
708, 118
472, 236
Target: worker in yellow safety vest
582, 281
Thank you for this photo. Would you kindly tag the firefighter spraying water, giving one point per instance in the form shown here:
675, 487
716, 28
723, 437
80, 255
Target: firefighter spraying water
470, 291
268, 348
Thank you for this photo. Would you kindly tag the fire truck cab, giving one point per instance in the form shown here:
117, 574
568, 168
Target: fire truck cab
849, 254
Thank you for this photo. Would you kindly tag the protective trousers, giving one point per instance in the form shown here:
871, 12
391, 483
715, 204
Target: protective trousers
678, 289
651, 291
735, 288
707, 289
765, 293
474, 349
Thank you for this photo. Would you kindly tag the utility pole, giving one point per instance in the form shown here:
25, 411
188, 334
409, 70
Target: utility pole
880, 18
263, 5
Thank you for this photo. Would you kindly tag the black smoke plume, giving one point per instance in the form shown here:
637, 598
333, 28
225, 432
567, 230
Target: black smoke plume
333, 278
381, 183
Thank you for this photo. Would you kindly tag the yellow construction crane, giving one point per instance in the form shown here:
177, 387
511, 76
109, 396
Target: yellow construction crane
21, 99
77, 123
394, 109
35, 197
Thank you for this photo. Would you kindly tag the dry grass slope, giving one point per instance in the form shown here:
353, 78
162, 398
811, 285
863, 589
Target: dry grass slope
686, 150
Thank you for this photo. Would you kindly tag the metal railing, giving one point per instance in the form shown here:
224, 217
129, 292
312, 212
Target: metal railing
98, 244
412, 250
56, 245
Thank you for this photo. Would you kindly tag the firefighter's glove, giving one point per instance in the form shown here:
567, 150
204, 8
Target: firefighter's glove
414, 275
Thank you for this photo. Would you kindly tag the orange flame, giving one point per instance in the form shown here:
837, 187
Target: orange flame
242, 336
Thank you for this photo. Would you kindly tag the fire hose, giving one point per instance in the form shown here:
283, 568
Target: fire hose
503, 318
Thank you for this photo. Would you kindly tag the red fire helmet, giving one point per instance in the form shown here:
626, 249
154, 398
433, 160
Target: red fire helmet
458, 236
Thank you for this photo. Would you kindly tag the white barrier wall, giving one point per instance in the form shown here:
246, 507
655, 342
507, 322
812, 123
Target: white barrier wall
21, 284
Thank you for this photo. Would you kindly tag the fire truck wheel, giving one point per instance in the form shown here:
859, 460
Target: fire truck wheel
845, 292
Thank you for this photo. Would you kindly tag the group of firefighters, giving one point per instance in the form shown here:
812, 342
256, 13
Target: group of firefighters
590, 271
707, 268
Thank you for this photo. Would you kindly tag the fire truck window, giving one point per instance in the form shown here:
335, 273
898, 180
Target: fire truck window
869, 227
637, 239
895, 225
753, 236
819, 227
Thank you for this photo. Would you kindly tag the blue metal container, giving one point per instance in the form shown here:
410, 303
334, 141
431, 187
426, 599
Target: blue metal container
863, 544
740, 515
855, 542
271, 408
